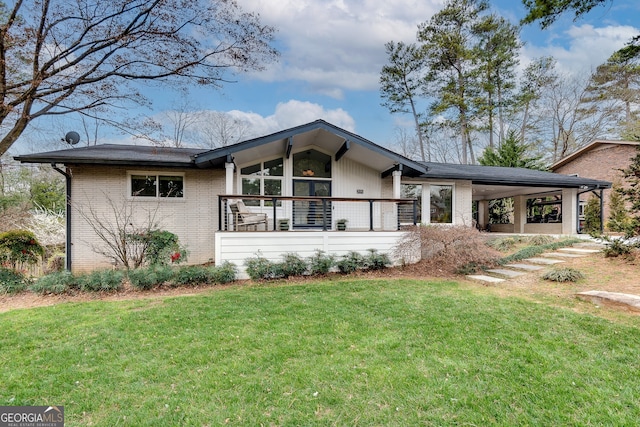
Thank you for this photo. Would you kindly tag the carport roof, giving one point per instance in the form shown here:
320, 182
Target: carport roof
496, 175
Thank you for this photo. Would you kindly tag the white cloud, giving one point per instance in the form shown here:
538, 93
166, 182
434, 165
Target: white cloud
582, 48
293, 113
339, 44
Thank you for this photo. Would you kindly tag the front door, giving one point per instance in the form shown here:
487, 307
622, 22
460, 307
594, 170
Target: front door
312, 214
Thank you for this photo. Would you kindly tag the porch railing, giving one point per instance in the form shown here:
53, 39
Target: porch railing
267, 213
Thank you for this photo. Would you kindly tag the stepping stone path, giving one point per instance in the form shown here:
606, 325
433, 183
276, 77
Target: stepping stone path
498, 275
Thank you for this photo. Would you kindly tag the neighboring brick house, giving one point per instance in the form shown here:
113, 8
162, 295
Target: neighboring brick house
600, 160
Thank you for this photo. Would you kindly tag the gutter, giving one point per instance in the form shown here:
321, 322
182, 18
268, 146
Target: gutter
67, 176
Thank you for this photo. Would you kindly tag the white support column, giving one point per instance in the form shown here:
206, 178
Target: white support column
483, 213
519, 213
229, 183
570, 211
397, 177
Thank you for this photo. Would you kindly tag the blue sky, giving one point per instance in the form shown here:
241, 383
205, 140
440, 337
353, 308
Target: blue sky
332, 52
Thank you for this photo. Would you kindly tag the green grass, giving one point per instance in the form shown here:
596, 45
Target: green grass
347, 352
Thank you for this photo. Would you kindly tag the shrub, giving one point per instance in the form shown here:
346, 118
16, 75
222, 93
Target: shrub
532, 251
164, 248
320, 263
291, 265
618, 247
11, 281
101, 281
259, 268
565, 274
446, 248
376, 261
192, 275
55, 283
592, 223
20, 247
540, 239
150, 277
224, 273
351, 262
503, 244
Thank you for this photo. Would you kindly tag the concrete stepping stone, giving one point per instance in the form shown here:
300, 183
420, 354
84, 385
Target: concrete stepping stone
483, 278
629, 301
545, 261
506, 273
527, 267
563, 255
580, 250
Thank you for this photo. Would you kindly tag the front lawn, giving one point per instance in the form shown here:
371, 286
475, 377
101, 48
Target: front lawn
343, 352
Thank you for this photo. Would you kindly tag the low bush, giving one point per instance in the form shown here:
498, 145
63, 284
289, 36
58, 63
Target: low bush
376, 261
58, 282
150, 277
101, 281
351, 262
321, 263
503, 244
445, 248
191, 275
532, 251
11, 281
618, 247
20, 247
540, 239
291, 265
259, 268
224, 273
565, 274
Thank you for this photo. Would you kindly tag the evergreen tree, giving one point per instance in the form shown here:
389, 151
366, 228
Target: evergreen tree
592, 224
618, 216
512, 153
631, 194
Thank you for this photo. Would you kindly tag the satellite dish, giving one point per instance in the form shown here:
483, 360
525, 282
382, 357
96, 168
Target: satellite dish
72, 138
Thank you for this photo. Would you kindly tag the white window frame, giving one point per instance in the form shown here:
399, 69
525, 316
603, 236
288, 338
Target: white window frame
262, 178
426, 202
157, 174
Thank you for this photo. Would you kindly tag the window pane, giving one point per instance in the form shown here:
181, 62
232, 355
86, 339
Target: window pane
410, 191
273, 167
251, 186
171, 186
143, 185
272, 187
251, 170
441, 204
312, 164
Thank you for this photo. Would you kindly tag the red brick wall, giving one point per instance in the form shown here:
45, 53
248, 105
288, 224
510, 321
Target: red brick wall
601, 163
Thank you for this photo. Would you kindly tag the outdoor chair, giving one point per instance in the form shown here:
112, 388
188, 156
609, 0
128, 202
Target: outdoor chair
244, 218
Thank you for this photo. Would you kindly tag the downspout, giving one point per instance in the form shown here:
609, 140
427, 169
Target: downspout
67, 176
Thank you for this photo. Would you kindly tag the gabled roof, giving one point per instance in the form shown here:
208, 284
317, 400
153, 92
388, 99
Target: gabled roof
319, 133
115, 154
592, 146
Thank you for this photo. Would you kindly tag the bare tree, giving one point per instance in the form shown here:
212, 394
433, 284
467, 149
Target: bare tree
219, 129
85, 56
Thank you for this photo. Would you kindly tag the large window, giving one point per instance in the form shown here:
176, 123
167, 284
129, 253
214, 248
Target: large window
264, 178
312, 164
441, 204
410, 191
155, 185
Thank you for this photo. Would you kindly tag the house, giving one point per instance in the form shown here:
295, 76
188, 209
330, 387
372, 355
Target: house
600, 160
313, 175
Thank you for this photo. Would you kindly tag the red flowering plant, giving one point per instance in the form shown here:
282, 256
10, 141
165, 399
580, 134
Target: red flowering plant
19, 247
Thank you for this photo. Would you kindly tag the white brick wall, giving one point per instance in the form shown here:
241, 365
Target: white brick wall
193, 218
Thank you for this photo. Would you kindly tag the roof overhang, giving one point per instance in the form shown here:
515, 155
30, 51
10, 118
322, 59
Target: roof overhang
338, 142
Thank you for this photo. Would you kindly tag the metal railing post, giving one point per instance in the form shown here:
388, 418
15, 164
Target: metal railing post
370, 215
274, 200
